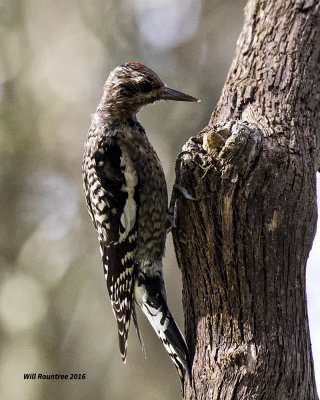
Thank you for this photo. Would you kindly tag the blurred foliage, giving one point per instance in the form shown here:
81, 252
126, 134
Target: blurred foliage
55, 56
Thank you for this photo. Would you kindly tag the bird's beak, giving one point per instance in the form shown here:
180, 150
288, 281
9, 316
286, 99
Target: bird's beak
170, 94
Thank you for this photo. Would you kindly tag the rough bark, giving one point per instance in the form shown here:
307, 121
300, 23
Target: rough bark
243, 244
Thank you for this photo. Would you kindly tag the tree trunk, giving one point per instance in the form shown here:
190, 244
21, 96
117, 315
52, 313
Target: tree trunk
243, 244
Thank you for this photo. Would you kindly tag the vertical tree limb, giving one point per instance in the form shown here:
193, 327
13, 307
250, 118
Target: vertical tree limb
243, 244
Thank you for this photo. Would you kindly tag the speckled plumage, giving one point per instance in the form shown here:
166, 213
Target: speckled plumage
127, 200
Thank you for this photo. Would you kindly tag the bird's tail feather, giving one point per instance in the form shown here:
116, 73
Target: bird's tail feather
171, 337
135, 320
150, 295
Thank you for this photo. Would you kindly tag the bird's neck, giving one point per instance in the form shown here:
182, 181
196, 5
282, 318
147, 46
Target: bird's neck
116, 114
108, 117
115, 111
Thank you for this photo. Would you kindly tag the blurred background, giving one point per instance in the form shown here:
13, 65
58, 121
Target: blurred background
55, 313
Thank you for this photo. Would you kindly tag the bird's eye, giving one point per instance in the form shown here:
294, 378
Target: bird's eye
145, 87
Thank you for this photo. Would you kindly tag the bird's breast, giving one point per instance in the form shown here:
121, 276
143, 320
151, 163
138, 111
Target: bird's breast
152, 195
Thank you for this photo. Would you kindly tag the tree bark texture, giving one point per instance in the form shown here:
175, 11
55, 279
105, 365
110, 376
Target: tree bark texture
243, 244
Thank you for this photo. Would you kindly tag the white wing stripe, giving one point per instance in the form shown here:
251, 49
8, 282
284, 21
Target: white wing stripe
128, 216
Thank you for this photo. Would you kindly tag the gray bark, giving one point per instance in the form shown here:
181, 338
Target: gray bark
243, 244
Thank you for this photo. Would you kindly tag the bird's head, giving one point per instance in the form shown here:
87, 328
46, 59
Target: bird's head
131, 86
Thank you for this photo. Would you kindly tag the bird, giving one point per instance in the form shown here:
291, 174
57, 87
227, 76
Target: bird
127, 200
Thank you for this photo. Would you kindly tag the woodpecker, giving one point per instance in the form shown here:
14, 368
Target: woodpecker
127, 200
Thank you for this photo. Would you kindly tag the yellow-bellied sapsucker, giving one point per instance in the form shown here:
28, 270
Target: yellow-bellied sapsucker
127, 200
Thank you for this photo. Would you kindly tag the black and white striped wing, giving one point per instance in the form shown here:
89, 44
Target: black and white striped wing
114, 200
